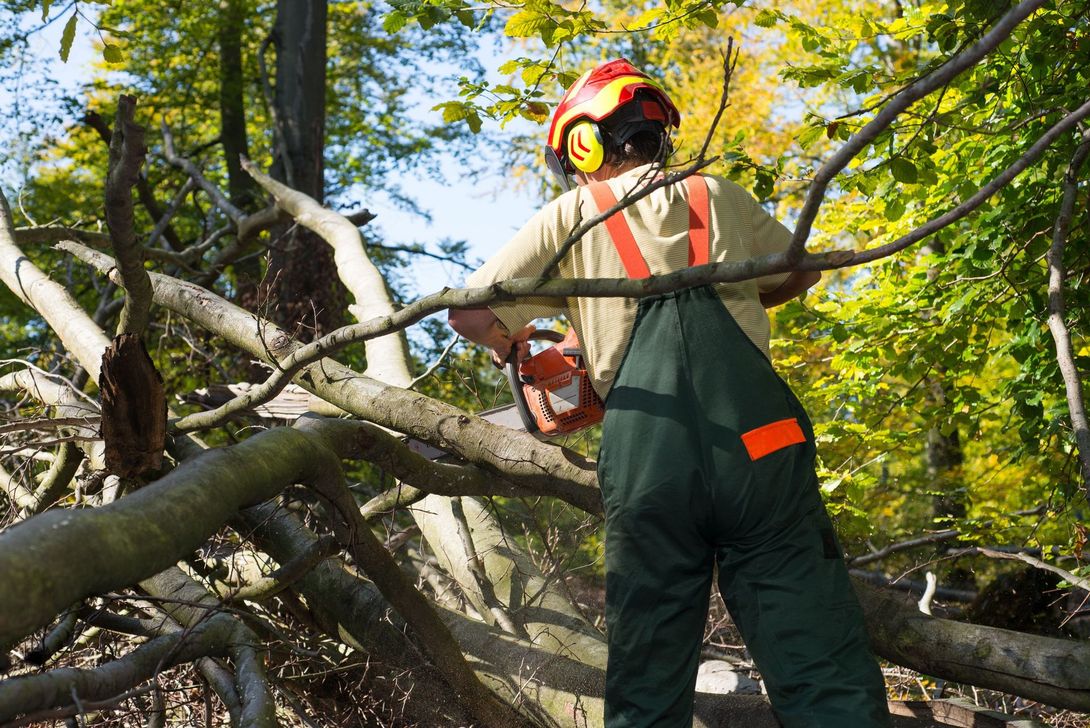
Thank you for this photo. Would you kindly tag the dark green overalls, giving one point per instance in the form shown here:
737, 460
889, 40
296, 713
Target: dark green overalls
708, 457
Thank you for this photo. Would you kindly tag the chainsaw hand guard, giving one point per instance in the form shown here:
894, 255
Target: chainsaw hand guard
552, 391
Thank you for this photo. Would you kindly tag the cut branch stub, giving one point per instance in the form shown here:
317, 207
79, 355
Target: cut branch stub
134, 410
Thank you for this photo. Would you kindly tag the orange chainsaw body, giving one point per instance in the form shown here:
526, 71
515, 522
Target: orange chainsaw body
552, 390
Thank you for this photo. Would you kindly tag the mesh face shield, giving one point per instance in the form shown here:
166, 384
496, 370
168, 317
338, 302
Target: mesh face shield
557, 168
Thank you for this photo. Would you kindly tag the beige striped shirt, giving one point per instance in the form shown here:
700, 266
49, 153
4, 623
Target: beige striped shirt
739, 229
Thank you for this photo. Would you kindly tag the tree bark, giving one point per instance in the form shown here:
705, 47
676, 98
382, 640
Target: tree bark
301, 285
1053, 671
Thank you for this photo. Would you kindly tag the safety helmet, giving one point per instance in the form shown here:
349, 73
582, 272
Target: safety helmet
616, 91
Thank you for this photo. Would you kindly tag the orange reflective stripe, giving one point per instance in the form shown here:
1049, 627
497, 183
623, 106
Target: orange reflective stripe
772, 437
619, 231
698, 219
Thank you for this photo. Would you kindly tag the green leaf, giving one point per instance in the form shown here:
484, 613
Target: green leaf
895, 208
903, 170
567, 78
112, 54
809, 135
466, 18
527, 24
473, 120
766, 18
708, 17
67, 36
452, 111
762, 188
394, 21
45, 9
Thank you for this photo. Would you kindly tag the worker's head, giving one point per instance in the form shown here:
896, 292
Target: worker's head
613, 115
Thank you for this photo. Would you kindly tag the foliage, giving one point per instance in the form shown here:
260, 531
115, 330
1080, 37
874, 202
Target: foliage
947, 340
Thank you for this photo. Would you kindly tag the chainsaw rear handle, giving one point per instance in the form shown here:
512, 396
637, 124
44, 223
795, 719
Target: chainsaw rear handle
514, 381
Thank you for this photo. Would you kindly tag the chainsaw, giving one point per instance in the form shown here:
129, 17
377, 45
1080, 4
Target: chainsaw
552, 391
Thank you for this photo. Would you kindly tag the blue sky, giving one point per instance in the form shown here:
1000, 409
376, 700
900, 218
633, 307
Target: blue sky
485, 212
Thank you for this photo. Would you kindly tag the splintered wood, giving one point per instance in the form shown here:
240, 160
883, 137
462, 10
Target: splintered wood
134, 409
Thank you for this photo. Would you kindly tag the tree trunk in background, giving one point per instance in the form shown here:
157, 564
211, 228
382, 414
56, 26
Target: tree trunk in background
301, 284
241, 189
240, 186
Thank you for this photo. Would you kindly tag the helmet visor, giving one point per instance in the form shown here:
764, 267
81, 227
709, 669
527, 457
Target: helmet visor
557, 168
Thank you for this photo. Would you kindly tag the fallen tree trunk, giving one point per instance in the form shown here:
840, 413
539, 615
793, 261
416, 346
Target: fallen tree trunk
1051, 670
141, 534
558, 690
525, 460
546, 469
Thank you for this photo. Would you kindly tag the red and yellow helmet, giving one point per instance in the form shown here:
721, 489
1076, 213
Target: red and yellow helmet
597, 94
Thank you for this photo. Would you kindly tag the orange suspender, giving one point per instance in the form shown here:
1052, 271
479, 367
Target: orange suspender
625, 241
620, 232
698, 219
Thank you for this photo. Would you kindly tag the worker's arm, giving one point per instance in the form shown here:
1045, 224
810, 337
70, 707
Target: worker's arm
795, 285
481, 326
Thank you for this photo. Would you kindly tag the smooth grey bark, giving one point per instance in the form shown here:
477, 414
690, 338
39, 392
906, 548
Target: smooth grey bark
1065, 355
1052, 671
141, 534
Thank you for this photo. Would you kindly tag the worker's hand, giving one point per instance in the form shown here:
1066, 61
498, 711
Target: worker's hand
518, 343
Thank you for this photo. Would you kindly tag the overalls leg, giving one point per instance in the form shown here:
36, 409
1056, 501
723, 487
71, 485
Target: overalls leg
658, 561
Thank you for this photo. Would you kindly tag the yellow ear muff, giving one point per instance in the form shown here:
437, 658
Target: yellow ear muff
585, 149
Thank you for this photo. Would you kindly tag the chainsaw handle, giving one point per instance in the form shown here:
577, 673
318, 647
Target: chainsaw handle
515, 381
545, 335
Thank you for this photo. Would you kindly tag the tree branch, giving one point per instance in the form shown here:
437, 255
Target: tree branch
127, 152
236, 215
143, 188
931, 538
1065, 355
75, 329
941, 76
191, 605
1053, 671
387, 355
56, 481
291, 572
434, 637
845, 258
53, 689
1078, 581
480, 578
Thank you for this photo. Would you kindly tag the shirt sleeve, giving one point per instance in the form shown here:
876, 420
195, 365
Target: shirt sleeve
769, 237
526, 255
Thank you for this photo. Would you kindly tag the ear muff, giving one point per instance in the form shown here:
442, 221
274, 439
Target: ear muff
585, 149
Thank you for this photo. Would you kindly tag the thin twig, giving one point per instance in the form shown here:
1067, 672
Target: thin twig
237, 215
171, 211
48, 423
435, 364
1079, 581
846, 258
